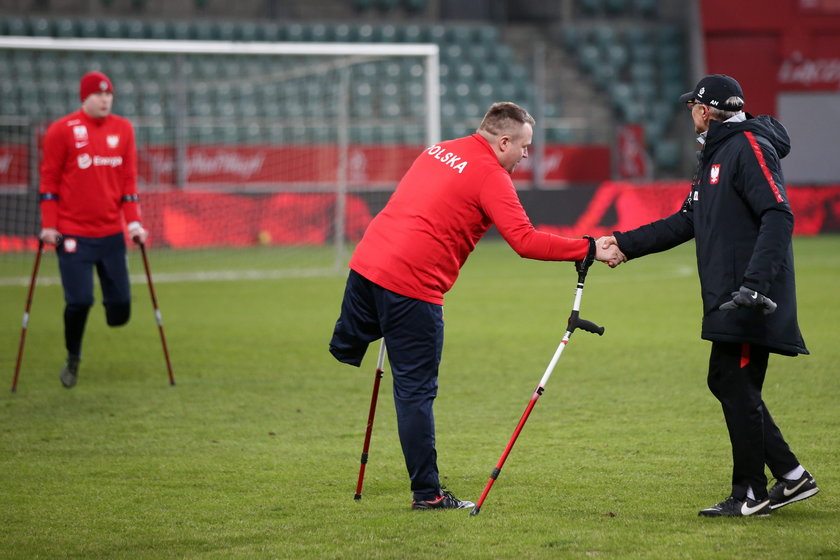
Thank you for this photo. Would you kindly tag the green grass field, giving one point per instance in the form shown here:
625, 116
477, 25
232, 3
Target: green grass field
255, 452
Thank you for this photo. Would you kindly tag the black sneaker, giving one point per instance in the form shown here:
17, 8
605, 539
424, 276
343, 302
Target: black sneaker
70, 371
445, 501
786, 491
733, 507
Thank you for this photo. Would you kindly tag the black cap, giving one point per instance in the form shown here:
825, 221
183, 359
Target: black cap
714, 90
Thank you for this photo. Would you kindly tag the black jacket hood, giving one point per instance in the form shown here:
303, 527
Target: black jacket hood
763, 125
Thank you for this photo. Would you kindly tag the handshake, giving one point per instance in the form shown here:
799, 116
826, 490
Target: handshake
607, 251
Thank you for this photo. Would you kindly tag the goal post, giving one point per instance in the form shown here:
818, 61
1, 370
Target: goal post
253, 157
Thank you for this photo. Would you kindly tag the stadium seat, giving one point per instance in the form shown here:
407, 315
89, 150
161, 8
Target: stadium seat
490, 72
227, 31
617, 7
642, 52
642, 72
487, 35
435, 33
16, 26
572, 37
157, 29
560, 135
604, 36
589, 58
270, 31
64, 28
415, 6
412, 34
182, 30
460, 34
248, 31
362, 135
414, 134
590, 7
636, 35
155, 135
275, 134
40, 27
666, 154
252, 134
646, 8
617, 56
389, 134
387, 5
344, 33
111, 28
388, 33
89, 28
366, 33
134, 29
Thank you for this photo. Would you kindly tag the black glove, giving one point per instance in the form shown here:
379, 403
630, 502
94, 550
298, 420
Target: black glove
749, 299
584, 264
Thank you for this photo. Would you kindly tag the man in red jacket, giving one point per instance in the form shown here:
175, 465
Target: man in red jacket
88, 185
411, 255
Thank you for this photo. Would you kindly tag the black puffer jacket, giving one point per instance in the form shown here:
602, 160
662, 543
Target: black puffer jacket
739, 215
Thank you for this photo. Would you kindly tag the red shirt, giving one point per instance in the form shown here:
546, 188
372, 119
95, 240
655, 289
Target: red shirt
451, 195
89, 165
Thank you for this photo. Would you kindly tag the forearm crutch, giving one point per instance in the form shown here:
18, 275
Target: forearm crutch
575, 322
158, 316
26, 312
380, 364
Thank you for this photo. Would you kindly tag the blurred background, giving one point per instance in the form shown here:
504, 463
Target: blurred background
241, 146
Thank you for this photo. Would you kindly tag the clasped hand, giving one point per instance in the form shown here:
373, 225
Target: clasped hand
607, 251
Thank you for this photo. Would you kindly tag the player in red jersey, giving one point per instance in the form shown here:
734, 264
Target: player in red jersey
88, 185
410, 256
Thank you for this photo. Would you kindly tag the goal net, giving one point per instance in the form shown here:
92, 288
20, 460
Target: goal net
254, 159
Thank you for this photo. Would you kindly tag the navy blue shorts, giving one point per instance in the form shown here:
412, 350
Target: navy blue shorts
77, 257
413, 332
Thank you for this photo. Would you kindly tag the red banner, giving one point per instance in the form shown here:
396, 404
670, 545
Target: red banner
312, 166
193, 220
14, 166
816, 209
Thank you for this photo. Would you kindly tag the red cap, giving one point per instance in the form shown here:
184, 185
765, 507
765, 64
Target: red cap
94, 82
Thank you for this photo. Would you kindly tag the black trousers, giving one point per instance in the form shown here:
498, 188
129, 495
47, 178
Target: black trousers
736, 376
77, 257
413, 332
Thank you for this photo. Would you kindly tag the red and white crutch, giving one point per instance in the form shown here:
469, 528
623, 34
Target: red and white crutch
158, 316
26, 312
575, 322
380, 364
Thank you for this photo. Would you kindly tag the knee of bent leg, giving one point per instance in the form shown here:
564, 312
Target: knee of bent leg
117, 314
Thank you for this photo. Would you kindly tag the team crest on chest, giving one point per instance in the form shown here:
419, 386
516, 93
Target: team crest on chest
714, 176
80, 133
113, 140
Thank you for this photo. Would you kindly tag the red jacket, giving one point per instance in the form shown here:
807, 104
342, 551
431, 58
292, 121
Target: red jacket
451, 195
89, 174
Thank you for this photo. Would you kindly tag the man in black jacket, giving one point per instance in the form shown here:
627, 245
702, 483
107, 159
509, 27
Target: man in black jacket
738, 214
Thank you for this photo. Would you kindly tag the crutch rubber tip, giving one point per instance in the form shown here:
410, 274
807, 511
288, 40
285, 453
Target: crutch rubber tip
357, 497
475, 510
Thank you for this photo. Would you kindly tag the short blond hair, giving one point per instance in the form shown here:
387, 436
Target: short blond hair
505, 118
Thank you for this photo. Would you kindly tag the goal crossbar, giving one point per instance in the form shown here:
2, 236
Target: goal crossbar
429, 51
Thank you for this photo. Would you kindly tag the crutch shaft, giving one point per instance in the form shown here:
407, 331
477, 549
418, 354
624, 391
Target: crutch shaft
158, 316
25, 323
380, 364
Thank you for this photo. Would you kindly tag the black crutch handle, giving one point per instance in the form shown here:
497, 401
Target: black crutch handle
575, 322
589, 326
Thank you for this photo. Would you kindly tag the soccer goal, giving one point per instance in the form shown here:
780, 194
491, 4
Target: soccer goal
254, 159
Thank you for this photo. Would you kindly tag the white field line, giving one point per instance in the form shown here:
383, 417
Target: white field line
239, 275
205, 276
